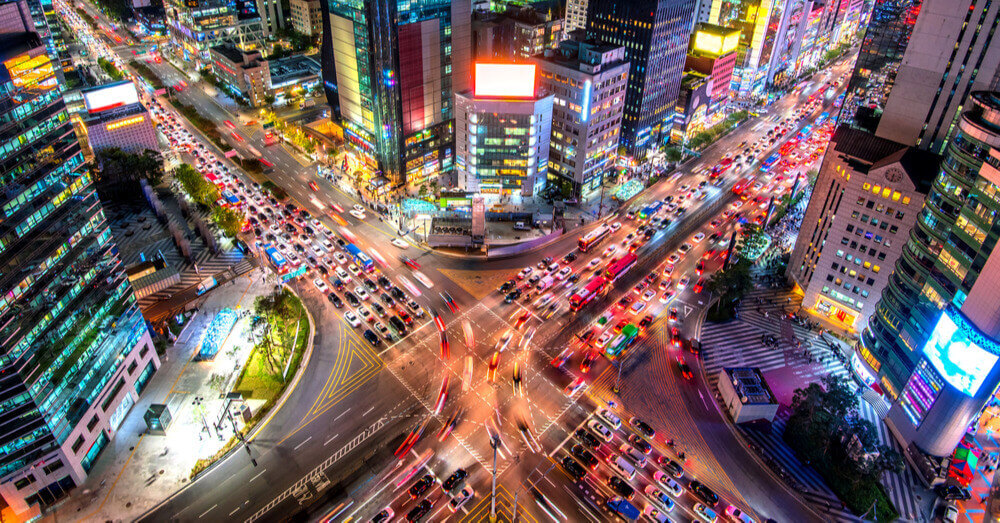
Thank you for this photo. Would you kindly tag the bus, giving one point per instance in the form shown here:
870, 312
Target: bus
620, 267
230, 199
618, 345
769, 162
587, 293
648, 211
805, 132
822, 118
276, 259
363, 260
594, 237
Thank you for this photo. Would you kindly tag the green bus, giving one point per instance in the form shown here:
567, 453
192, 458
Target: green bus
618, 345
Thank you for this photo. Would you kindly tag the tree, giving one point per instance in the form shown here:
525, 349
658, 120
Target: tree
673, 154
195, 185
732, 282
229, 220
118, 172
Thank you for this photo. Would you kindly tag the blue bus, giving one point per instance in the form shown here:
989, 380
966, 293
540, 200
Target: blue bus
805, 132
648, 211
230, 198
363, 260
822, 118
769, 162
276, 259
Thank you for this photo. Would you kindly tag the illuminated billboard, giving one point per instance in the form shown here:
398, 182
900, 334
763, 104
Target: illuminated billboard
956, 350
505, 80
716, 43
109, 96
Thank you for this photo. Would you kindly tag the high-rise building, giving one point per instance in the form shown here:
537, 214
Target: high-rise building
576, 15
502, 130
588, 81
918, 63
655, 36
398, 65
116, 118
75, 349
867, 196
758, 22
307, 17
197, 25
244, 75
950, 252
713, 55
515, 34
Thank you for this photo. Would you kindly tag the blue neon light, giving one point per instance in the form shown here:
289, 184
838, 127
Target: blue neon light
585, 111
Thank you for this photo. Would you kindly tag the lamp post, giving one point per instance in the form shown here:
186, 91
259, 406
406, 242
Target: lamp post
617, 387
494, 442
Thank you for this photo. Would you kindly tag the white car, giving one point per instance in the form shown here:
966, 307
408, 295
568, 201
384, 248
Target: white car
354, 269
544, 300
674, 258
504, 341
668, 483
638, 307
609, 251
423, 279
320, 284
358, 207
648, 295
339, 256
564, 273
357, 214
461, 498
593, 263
352, 319
342, 274
604, 339
361, 292
399, 243
601, 431
615, 226
736, 514
524, 273
683, 282
698, 237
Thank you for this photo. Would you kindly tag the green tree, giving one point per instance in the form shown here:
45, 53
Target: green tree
229, 220
673, 154
195, 185
118, 172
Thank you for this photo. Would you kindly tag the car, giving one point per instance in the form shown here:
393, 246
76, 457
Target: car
621, 487
684, 248
698, 237
684, 369
668, 483
683, 282
313, 186
665, 297
705, 513
672, 315
588, 360
449, 301
615, 226
736, 514
645, 322
384, 516
342, 274
357, 214
378, 309
673, 259
525, 272
352, 300
396, 323
648, 295
604, 339
503, 341
609, 251
372, 338
573, 468
593, 262
399, 243
699, 285
512, 296
491, 372
705, 494
637, 307
420, 487
672, 467
675, 336
587, 438
640, 444
401, 313
522, 319
659, 496
419, 511
361, 292
454, 480
410, 262
600, 430
320, 284
335, 300
370, 285
563, 273
386, 299
382, 330
352, 319
354, 269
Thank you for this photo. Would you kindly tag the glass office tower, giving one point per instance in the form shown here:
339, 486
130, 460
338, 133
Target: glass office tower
398, 65
949, 249
655, 36
74, 348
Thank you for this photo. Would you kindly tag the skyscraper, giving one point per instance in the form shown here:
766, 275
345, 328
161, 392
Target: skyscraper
74, 349
655, 36
758, 22
918, 63
398, 65
950, 253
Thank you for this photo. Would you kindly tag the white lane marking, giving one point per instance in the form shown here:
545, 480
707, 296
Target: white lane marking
303, 443
342, 414
207, 511
257, 476
331, 439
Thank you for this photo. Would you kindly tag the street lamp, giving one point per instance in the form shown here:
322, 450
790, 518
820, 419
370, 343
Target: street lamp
494, 442
617, 387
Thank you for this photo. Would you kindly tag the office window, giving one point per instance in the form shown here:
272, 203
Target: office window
864, 218
864, 293
850, 228
840, 253
870, 281
876, 268
870, 204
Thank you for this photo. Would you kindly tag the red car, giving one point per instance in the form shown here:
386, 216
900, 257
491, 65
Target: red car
410, 262
683, 367
313, 186
698, 286
521, 320
491, 373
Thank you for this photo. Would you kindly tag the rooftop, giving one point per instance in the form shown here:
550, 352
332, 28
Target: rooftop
293, 67
865, 152
230, 51
13, 44
750, 385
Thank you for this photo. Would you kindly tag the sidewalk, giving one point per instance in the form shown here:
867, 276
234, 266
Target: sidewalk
137, 470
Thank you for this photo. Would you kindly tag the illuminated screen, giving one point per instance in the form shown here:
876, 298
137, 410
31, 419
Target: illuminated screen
716, 43
505, 80
957, 355
110, 96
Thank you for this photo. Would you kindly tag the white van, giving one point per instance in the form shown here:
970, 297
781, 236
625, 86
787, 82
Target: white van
609, 417
318, 248
545, 283
624, 467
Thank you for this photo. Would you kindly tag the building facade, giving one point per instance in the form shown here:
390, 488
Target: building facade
867, 196
397, 66
950, 250
76, 351
244, 74
758, 22
576, 15
588, 82
197, 25
919, 62
515, 34
502, 131
655, 35
713, 54
307, 17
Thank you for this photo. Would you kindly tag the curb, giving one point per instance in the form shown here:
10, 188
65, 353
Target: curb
181, 333
306, 357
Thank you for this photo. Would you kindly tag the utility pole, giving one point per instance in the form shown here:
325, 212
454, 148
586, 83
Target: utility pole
617, 387
494, 441
246, 444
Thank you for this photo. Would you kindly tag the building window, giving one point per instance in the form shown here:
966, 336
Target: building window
876, 268
870, 204
52, 467
92, 423
893, 229
77, 444
864, 218
840, 253
870, 281
24, 482
850, 228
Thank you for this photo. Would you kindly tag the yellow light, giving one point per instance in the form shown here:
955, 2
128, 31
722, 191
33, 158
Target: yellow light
125, 123
715, 43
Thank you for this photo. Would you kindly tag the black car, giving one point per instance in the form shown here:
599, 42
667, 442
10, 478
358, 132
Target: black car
643, 427
419, 511
621, 487
351, 299
672, 467
372, 338
378, 309
397, 293
584, 456
341, 242
322, 270
455, 480
951, 492
646, 321
640, 444
569, 257
386, 299
573, 468
512, 296
384, 282
370, 285
335, 300
398, 325
339, 285
507, 286
703, 493
573, 278
421, 486
587, 438
385, 515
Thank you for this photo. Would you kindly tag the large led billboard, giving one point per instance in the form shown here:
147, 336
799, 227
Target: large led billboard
505, 80
955, 349
109, 96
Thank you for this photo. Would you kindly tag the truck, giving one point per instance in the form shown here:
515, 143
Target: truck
623, 508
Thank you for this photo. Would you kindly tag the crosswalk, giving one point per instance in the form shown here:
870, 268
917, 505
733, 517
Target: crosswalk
738, 344
207, 265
